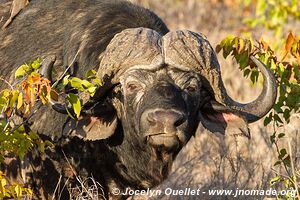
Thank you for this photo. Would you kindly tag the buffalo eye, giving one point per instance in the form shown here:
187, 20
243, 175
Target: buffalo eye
191, 88
192, 85
133, 86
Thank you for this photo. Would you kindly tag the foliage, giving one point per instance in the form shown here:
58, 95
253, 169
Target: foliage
15, 103
287, 73
20, 102
88, 86
13, 190
273, 14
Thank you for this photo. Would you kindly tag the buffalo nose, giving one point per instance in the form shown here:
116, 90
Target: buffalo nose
166, 119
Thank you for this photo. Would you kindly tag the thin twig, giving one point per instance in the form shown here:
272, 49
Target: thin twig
63, 75
77, 178
284, 165
293, 169
279, 174
6, 126
63, 188
5, 81
57, 186
26, 120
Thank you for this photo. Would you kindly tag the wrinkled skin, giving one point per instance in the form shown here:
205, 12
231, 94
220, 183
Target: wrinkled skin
164, 104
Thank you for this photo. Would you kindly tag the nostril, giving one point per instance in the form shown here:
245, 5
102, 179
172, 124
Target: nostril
166, 118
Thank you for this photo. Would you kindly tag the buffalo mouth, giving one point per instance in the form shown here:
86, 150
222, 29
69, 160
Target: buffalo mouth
164, 141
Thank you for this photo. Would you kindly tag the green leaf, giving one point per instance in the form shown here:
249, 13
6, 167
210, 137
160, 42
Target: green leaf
277, 108
86, 84
227, 45
75, 102
274, 180
287, 161
277, 118
247, 72
251, 22
65, 80
41, 147
22, 70
33, 135
36, 64
247, 2
243, 59
90, 73
268, 119
277, 163
282, 153
273, 138
286, 114
254, 76
49, 144
92, 90
97, 81
76, 83
281, 68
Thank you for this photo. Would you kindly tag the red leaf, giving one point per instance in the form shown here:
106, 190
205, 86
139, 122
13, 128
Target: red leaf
288, 45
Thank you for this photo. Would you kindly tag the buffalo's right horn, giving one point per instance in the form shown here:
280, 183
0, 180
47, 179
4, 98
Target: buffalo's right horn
46, 71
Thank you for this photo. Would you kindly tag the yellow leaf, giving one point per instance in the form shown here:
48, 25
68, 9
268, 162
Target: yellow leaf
20, 100
18, 191
75, 102
27, 107
239, 44
43, 99
15, 94
28, 191
250, 46
3, 182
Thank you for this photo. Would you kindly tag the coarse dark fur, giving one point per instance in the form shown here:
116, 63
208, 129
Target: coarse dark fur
64, 29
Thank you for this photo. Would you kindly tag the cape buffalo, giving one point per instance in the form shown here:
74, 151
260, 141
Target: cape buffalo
157, 86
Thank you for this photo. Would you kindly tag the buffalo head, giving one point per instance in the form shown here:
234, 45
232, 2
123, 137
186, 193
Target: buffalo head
158, 88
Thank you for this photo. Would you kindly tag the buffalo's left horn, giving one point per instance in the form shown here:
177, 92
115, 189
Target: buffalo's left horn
256, 109
189, 50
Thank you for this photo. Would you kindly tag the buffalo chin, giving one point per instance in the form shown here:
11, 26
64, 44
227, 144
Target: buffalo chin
164, 142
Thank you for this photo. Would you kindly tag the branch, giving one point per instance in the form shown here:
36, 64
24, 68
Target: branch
5, 81
63, 75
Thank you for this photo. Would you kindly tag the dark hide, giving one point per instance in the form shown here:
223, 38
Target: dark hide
76, 32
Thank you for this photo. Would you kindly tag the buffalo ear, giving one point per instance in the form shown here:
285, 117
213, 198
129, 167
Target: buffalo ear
92, 127
223, 120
